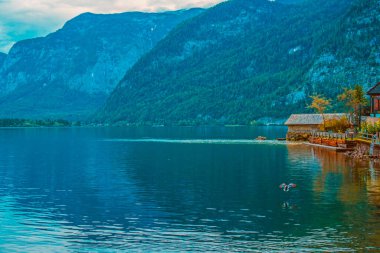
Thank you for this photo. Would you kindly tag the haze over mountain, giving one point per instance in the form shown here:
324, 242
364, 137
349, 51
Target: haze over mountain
69, 73
244, 60
22, 20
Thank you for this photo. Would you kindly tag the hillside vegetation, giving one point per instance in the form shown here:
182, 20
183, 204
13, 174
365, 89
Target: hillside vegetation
244, 60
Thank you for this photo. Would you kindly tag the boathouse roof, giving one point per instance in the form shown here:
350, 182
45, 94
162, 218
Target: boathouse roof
311, 119
375, 90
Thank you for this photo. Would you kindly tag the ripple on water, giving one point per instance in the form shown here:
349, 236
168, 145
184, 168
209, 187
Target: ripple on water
99, 196
206, 141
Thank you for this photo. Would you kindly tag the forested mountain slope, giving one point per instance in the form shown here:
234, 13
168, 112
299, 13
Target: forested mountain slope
351, 52
243, 60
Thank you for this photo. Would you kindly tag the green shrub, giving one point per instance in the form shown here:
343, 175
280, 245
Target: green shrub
370, 128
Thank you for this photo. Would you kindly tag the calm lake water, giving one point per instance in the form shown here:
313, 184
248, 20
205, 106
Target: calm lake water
181, 189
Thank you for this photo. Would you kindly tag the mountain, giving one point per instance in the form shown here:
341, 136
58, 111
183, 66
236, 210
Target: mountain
244, 60
2, 58
70, 72
351, 52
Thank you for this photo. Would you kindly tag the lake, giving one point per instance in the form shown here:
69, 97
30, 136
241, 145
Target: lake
181, 189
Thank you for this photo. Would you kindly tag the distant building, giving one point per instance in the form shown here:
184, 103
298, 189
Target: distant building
310, 122
374, 93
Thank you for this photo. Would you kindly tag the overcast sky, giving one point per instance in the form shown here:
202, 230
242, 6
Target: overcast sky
22, 19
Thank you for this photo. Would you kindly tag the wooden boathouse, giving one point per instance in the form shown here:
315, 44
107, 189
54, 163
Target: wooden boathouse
301, 126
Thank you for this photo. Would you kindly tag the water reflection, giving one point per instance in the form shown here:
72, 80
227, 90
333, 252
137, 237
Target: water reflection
355, 183
66, 189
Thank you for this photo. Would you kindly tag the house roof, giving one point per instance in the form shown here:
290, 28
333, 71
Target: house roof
375, 90
311, 119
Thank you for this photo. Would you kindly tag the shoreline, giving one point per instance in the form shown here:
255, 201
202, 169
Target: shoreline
152, 126
336, 149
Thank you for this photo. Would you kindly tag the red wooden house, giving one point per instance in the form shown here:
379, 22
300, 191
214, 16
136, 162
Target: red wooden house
374, 93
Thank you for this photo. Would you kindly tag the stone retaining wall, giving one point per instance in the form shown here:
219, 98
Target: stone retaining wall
297, 136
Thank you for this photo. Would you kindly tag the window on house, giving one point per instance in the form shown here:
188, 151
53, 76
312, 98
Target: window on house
376, 104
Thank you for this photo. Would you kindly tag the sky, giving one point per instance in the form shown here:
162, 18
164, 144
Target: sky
23, 19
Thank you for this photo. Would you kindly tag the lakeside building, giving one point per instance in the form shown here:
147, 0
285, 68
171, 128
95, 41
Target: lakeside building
302, 126
310, 122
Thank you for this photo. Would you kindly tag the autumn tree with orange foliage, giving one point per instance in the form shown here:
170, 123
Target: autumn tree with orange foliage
320, 104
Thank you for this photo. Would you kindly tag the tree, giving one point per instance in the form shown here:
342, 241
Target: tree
354, 100
320, 104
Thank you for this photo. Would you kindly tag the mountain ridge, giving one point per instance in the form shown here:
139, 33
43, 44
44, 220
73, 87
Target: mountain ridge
70, 72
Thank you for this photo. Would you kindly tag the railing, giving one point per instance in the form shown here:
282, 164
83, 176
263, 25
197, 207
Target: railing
364, 136
344, 136
302, 131
320, 134
333, 135
373, 138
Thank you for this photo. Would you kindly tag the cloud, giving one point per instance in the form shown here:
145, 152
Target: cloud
6, 41
22, 19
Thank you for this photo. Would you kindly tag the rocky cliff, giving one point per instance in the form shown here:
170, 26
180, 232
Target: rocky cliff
350, 53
